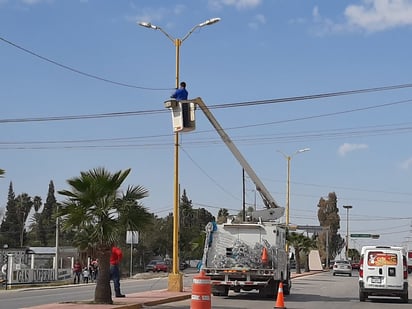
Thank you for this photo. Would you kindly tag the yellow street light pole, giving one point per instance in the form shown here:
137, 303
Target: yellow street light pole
287, 210
175, 283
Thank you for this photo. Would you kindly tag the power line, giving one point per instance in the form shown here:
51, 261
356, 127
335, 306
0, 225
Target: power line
139, 141
241, 104
78, 71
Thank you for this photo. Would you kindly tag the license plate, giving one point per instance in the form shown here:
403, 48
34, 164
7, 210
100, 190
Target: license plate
375, 280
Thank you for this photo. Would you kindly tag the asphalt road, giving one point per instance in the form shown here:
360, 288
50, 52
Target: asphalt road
319, 291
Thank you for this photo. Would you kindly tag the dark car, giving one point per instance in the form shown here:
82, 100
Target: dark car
183, 265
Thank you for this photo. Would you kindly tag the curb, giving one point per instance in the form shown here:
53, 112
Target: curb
168, 300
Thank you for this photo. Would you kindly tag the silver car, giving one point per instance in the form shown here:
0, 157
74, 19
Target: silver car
342, 267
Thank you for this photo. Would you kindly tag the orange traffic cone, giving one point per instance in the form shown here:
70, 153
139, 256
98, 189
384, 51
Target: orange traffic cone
280, 302
264, 256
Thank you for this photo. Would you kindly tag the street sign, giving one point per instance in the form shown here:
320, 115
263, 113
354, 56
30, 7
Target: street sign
361, 235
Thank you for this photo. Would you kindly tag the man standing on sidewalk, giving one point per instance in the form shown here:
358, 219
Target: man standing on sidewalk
115, 259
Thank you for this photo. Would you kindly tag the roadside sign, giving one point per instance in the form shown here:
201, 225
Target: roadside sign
361, 235
373, 236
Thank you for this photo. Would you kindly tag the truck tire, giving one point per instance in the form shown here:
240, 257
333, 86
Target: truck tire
287, 285
405, 297
286, 288
270, 290
220, 291
362, 296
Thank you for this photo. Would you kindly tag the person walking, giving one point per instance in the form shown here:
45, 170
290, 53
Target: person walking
94, 269
86, 274
115, 259
77, 270
180, 93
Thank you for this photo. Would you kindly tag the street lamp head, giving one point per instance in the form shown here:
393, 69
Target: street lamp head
303, 150
147, 25
347, 206
209, 22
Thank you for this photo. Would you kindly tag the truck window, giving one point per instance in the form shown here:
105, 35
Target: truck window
378, 258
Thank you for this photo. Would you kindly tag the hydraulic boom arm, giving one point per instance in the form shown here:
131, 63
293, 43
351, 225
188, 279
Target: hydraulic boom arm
260, 187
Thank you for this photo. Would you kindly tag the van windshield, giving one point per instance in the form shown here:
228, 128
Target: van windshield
378, 258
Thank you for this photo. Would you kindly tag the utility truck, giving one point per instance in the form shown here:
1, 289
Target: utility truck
249, 255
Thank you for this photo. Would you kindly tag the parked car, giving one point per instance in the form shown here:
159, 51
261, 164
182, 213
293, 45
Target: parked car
183, 265
161, 266
355, 265
342, 267
152, 266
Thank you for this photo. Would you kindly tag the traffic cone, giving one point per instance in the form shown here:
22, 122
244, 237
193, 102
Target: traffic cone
280, 302
264, 256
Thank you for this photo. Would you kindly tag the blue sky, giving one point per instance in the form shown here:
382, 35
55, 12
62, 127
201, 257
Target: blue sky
87, 57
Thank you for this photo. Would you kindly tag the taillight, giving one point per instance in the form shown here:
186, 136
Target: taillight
405, 268
361, 268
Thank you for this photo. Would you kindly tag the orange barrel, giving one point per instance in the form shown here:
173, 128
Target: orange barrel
201, 292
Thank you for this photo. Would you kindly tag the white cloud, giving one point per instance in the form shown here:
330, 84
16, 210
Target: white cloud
157, 15
407, 164
239, 4
369, 15
33, 2
257, 21
346, 147
378, 15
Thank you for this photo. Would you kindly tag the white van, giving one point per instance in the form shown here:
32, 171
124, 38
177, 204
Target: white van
383, 271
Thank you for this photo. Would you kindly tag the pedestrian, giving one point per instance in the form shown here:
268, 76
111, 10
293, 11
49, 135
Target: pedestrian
86, 274
94, 269
77, 270
180, 93
115, 259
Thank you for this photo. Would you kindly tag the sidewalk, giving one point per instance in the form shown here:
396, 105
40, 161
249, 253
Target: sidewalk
139, 300
131, 301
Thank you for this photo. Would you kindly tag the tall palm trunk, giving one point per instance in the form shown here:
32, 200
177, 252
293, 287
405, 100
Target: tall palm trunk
103, 291
297, 258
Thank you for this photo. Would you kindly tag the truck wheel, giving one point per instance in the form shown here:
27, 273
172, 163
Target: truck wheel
405, 297
362, 296
286, 288
270, 290
220, 291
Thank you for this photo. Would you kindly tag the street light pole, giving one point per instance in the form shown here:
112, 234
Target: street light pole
288, 159
176, 278
287, 210
347, 207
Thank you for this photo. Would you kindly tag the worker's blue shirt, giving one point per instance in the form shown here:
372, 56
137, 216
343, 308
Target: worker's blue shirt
180, 94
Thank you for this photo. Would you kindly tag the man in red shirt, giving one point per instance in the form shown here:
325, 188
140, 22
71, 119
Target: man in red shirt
115, 259
77, 270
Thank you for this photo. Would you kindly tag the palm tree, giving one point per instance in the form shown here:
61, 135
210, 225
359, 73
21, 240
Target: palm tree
100, 214
2, 172
297, 241
302, 244
307, 245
